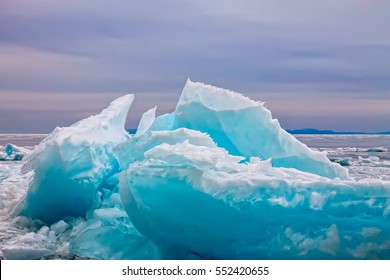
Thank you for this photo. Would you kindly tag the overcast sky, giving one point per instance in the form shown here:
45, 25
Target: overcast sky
322, 64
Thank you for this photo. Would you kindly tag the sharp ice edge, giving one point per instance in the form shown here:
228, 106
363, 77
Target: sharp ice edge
72, 163
246, 128
146, 121
217, 178
225, 209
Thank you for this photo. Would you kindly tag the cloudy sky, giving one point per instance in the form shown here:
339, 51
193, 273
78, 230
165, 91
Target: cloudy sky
322, 64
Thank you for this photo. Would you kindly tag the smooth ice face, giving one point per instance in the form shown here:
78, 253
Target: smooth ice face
164, 122
194, 200
73, 162
245, 128
146, 121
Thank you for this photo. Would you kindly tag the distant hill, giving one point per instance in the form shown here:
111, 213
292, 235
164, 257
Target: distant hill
305, 131
316, 131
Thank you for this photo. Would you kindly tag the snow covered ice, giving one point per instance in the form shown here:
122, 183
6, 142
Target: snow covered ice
218, 178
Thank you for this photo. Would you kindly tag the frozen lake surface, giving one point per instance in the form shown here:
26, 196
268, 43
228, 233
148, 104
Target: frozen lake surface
366, 157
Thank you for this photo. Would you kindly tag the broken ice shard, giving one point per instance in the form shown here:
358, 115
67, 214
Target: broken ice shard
245, 128
72, 163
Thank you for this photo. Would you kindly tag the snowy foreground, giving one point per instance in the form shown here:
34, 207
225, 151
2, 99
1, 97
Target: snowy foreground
218, 178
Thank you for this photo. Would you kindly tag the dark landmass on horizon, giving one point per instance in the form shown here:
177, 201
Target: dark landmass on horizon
316, 131
307, 131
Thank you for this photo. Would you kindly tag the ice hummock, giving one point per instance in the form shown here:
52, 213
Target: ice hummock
245, 128
72, 163
204, 202
218, 178
12, 152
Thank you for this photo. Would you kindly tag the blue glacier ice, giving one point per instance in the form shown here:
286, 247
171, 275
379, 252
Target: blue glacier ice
218, 178
72, 163
204, 202
245, 128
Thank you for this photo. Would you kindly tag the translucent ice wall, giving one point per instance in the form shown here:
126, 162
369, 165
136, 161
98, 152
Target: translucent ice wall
216, 179
245, 128
73, 162
194, 200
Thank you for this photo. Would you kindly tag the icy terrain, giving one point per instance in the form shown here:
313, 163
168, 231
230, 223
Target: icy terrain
72, 163
234, 122
11, 152
218, 178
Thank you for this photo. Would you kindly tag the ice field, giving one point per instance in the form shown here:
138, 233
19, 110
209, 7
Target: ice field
218, 178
